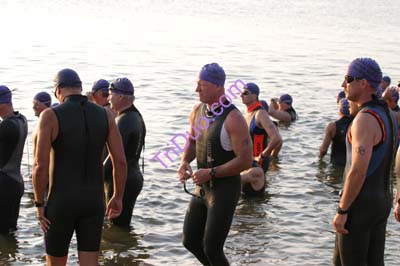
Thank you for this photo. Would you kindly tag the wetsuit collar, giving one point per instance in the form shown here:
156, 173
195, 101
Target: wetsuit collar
76, 98
130, 108
253, 107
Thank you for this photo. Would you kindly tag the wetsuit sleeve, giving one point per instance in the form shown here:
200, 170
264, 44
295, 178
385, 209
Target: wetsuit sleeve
9, 135
131, 128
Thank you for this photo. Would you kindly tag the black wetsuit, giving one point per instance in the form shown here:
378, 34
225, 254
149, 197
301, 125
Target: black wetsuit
76, 195
292, 112
133, 132
249, 192
338, 149
208, 219
367, 217
13, 131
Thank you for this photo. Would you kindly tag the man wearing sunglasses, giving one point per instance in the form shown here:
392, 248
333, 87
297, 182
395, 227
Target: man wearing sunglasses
71, 137
13, 131
222, 151
133, 131
364, 206
265, 137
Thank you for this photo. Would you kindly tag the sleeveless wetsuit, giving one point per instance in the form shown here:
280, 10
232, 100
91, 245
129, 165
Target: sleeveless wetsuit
133, 131
208, 219
338, 149
258, 135
76, 194
367, 217
248, 190
13, 131
292, 112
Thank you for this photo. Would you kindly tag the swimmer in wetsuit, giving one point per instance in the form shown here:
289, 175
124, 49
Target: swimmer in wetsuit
265, 137
282, 108
13, 131
335, 133
41, 101
133, 131
75, 133
360, 222
222, 150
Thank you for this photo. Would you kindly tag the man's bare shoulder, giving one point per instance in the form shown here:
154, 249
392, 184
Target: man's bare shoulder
47, 116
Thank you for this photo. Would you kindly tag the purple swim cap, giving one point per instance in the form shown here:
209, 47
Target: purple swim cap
366, 68
101, 84
122, 86
213, 73
67, 78
253, 88
344, 106
5, 94
43, 97
286, 98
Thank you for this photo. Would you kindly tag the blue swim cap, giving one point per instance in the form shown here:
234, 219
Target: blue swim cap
44, 98
366, 68
253, 88
213, 73
67, 78
5, 94
344, 106
101, 84
122, 86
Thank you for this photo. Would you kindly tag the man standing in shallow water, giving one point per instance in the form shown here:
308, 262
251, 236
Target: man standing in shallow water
75, 133
223, 150
360, 221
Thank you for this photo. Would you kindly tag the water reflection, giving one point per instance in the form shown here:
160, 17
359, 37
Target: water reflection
8, 248
331, 175
122, 246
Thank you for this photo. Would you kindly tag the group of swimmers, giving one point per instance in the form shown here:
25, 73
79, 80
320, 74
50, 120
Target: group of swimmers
84, 153
232, 157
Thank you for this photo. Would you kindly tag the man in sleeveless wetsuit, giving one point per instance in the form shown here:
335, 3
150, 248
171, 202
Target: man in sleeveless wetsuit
221, 143
360, 222
133, 132
41, 101
13, 131
335, 133
282, 109
71, 137
265, 137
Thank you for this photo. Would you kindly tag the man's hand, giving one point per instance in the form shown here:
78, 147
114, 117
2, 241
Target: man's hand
397, 212
43, 221
114, 208
339, 222
184, 172
201, 176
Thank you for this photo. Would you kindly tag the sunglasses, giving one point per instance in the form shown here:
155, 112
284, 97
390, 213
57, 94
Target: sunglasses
246, 93
192, 194
350, 79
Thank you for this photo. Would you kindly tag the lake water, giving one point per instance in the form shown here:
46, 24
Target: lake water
285, 46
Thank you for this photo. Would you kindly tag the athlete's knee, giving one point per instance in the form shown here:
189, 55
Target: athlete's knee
215, 255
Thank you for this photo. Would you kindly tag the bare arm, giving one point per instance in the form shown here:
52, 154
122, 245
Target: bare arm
277, 114
275, 139
47, 131
365, 133
117, 155
397, 171
184, 170
330, 132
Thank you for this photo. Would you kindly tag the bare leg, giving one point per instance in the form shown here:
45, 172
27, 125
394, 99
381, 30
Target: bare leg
56, 261
88, 258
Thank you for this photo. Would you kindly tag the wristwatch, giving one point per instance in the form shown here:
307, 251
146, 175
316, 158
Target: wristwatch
341, 211
38, 204
212, 172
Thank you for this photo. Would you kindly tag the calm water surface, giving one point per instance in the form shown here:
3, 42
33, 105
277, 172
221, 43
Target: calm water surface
297, 47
